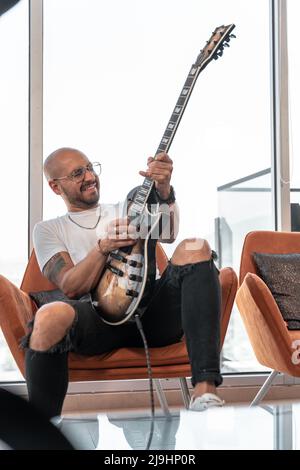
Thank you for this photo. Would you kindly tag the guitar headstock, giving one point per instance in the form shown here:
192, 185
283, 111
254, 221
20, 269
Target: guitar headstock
214, 48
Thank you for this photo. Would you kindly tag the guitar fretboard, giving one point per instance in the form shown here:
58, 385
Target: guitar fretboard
144, 190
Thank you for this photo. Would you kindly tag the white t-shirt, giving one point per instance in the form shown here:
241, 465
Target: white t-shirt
62, 234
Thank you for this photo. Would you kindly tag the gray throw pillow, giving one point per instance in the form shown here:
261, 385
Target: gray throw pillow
281, 273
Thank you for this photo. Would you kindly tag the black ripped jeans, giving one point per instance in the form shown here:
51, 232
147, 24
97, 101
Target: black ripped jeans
186, 300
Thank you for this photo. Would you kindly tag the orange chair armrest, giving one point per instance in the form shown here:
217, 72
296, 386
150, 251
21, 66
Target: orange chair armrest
16, 310
265, 326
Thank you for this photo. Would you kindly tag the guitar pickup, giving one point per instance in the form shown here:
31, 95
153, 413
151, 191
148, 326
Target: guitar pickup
118, 257
114, 270
135, 277
132, 293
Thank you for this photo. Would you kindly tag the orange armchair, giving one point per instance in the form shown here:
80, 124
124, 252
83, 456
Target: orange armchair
272, 342
17, 309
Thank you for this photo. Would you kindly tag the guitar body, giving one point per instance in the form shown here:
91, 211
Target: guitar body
122, 285
118, 296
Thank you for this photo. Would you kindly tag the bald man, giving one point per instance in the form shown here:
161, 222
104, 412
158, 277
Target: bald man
72, 251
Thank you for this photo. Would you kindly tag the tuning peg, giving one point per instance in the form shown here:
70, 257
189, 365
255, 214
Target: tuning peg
217, 55
225, 44
232, 36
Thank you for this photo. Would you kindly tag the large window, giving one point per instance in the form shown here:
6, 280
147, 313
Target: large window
294, 104
112, 75
14, 156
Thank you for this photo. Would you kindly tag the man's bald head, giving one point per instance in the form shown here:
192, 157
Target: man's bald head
78, 195
58, 161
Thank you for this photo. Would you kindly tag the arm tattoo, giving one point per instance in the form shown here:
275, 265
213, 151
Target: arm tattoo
53, 267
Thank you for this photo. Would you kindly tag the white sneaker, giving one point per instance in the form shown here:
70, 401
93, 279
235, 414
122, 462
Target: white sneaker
205, 401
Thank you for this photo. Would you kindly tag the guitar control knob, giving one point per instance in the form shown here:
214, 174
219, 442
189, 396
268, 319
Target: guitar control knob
132, 293
134, 264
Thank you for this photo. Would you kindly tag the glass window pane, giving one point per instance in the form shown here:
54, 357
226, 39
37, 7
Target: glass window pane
112, 74
294, 104
14, 156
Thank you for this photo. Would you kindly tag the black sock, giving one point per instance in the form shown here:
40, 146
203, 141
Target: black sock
47, 380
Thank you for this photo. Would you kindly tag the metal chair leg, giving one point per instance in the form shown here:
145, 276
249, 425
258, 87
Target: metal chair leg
264, 389
162, 398
185, 392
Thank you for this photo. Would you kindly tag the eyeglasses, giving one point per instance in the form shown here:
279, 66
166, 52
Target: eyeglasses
78, 174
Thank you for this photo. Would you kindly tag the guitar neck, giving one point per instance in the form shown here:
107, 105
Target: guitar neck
213, 50
178, 111
144, 191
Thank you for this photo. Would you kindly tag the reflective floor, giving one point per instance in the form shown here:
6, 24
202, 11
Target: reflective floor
230, 427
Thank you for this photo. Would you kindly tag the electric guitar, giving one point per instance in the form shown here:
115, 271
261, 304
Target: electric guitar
130, 270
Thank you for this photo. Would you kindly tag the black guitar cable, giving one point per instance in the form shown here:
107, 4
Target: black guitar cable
140, 328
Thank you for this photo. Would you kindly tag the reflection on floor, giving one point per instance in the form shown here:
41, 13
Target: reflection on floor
230, 427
